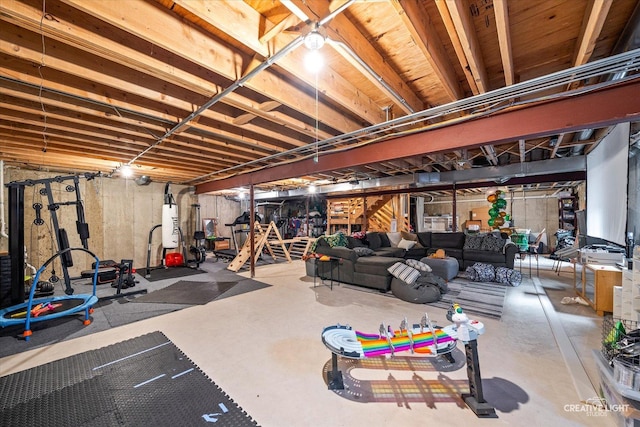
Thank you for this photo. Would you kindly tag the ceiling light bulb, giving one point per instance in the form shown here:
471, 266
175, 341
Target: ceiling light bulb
126, 171
312, 189
314, 40
313, 61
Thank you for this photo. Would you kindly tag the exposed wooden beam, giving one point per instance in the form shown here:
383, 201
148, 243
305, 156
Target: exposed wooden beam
240, 21
342, 30
616, 103
204, 51
594, 18
457, 44
523, 151
27, 47
559, 142
466, 33
279, 27
501, 11
419, 24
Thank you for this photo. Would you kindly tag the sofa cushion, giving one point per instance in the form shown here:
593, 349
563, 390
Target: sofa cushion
353, 242
418, 265
406, 244
447, 240
424, 237
473, 241
394, 239
338, 252
492, 243
404, 272
376, 265
484, 256
363, 251
374, 240
385, 242
390, 252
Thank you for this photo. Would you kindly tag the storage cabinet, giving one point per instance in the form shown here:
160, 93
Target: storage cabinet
567, 213
438, 223
596, 286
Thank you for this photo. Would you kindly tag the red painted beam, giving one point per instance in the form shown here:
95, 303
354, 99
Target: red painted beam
598, 108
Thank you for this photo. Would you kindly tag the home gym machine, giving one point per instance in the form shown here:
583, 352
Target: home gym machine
172, 238
229, 254
16, 228
59, 235
198, 249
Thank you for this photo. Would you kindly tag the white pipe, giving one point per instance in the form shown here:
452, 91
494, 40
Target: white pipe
3, 224
27, 265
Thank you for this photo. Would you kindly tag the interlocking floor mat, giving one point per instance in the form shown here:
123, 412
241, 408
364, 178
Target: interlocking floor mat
143, 381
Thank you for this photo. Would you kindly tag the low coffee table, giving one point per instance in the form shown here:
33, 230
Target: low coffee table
446, 267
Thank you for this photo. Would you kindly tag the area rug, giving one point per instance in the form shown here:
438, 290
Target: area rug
485, 299
143, 381
187, 292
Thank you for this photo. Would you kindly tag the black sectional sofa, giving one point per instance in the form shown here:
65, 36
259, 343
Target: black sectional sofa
365, 262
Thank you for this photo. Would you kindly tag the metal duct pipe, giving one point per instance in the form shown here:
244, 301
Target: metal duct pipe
629, 40
235, 85
240, 82
371, 72
501, 96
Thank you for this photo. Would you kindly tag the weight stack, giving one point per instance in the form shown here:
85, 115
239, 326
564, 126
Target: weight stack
5, 281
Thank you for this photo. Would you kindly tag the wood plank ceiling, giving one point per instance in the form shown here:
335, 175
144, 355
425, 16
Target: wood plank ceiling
196, 92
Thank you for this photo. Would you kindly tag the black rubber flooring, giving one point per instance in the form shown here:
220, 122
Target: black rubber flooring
144, 381
170, 273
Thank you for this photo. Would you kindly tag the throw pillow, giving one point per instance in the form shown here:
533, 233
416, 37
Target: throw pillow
418, 265
492, 243
337, 239
406, 244
413, 237
472, 274
362, 251
409, 236
374, 240
473, 242
515, 278
394, 239
404, 272
486, 272
502, 275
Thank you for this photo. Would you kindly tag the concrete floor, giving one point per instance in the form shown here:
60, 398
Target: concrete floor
264, 349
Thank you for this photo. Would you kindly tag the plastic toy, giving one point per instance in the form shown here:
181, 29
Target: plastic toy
62, 305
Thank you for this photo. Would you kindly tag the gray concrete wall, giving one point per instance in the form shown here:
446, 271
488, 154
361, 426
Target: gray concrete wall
534, 210
120, 215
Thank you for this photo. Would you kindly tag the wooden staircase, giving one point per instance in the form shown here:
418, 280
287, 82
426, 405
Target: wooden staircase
380, 210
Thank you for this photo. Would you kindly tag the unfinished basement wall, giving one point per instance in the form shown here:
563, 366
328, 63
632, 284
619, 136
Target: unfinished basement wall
533, 210
120, 215
223, 209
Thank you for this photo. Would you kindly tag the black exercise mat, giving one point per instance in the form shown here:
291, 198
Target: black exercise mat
171, 273
187, 292
139, 382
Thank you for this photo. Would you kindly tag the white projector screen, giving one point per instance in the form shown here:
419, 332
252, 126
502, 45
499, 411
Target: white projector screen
607, 167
